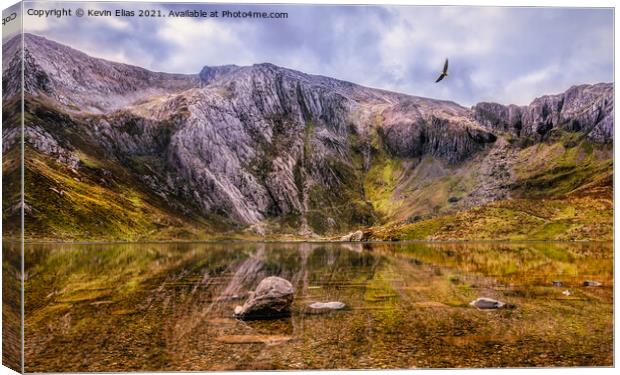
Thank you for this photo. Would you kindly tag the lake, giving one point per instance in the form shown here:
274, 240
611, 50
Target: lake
168, 306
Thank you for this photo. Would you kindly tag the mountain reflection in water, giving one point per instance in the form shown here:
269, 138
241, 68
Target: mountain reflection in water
163, 307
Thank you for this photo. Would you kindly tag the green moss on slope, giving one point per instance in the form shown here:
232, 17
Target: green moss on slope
579, 217
547, 170
66, 205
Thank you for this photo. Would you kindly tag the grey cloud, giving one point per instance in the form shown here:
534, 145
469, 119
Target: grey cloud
509, 55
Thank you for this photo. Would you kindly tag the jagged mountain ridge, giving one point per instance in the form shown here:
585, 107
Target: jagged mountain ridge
262, 143
73, 78
583, 108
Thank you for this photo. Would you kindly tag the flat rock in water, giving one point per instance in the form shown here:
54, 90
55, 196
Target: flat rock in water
487, 304
271, 299
326, 306
557, 283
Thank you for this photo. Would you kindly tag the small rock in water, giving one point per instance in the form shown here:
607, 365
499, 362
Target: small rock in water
271, 299
567, 293
488, 304
326, 306
557, 283
591, 283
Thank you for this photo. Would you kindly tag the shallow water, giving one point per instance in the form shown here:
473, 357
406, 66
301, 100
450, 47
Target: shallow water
115, 307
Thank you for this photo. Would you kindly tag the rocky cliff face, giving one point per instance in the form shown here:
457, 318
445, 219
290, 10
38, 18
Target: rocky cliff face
262, 144
587, 109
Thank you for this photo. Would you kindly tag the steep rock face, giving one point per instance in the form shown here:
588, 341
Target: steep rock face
251, 147
590, 109
410, 133
585, 108
499, 117
236, 148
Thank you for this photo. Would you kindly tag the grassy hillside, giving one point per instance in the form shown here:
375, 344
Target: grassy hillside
561, 191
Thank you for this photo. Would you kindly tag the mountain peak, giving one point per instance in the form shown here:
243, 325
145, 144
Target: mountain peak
268, 65
73, 78
211, 73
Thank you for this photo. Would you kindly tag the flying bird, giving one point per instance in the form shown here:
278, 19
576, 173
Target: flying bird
444, 73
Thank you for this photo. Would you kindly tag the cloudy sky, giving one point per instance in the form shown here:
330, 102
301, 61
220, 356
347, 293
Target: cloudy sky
507, 55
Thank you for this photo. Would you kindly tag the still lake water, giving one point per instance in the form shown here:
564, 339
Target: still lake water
112, 307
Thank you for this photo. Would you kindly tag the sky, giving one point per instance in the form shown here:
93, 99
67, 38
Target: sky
499, 54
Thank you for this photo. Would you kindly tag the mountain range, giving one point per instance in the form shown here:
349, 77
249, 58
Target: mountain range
118, 152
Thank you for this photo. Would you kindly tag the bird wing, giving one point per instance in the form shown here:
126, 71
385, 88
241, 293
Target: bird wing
440, 77
445, 67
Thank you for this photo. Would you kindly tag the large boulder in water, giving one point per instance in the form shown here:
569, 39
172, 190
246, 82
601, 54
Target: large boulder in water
271, 299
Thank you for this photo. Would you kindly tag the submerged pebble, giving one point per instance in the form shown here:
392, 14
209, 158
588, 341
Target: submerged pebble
591, 283
488, 304
335, 305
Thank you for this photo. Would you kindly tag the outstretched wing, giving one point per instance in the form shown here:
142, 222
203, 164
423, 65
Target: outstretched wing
445, 67
440, 77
